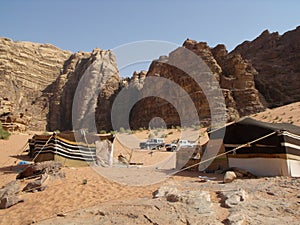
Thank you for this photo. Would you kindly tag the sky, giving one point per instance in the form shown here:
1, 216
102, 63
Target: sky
84, 25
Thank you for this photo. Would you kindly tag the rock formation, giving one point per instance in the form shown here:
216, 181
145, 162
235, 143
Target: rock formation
39, 81
237, 79
43, 87
85, 76
26, 70
234, 77
277, 61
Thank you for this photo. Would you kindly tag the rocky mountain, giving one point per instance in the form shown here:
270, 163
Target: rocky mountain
43, 87
83, 91
276, 58
234, 75
38, 82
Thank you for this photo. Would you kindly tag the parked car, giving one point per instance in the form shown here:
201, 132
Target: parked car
175, 145
153, 143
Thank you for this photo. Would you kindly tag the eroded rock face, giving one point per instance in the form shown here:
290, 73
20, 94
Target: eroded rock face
238, 78
11, 121
26, 70
233, 76
96, 78
39, 81
277, 61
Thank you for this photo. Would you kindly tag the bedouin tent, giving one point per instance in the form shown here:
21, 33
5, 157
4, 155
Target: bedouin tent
264, 149
73, 148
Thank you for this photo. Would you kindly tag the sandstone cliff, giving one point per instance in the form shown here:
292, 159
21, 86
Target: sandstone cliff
38, 83
277, 61
235, 77
26, 70
84, 92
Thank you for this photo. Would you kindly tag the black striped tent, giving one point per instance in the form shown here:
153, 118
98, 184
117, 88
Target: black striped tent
71, 148
273, 148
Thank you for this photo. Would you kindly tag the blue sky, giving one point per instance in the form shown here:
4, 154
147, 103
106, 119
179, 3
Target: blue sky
83, 25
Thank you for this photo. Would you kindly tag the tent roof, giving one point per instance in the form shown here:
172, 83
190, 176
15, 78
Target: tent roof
247, 121
248, 129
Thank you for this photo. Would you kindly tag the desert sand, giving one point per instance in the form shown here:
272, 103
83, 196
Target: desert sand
285, 114
82, 194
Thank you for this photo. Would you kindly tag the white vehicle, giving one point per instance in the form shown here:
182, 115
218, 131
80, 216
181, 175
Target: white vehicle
153, 143
175, 145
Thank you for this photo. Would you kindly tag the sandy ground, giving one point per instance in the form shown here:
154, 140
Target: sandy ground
285, 114
67, 196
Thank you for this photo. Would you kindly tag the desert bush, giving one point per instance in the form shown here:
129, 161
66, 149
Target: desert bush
171, 132
150, 135
3, 133
164, 136
122, 130
102, 132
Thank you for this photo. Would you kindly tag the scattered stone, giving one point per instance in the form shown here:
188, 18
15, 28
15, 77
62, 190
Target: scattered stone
199, 200
270, 193
9, 201
233, 198
100, 213
164, 191
50, 167
235, 218
173, 197
37, 185
241, 173
9, 195
61, 215
229, 176
132, 216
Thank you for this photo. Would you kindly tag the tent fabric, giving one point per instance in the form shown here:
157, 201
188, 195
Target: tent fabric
247, 130
70, 147
276, 154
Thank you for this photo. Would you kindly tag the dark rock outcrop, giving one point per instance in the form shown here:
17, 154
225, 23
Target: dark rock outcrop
277, 61
9, 195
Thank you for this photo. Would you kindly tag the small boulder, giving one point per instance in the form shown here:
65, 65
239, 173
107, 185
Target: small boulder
9, 195
236, 218
231, 199
164, 191
229, 176
49, 167
9, 201
37, 185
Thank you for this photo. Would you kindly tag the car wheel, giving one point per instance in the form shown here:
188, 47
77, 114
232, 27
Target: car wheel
173, 149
